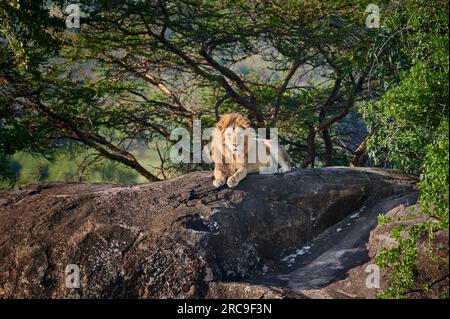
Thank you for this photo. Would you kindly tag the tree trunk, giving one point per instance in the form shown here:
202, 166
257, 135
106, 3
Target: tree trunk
328, 147
311, 148
361, 155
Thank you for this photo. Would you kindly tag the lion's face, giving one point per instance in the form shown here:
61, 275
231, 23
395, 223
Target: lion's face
229, 139
234, 139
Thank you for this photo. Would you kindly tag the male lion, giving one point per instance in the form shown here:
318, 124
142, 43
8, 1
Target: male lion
230, 149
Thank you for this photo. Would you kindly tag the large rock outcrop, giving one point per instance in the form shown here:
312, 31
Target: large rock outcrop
183, 238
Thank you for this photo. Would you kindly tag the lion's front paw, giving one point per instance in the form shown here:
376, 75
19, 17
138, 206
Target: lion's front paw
219, 182
232, 182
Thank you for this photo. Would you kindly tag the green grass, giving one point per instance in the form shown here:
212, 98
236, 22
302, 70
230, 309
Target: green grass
65, 166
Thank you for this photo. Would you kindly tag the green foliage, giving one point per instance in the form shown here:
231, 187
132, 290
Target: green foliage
6, 177
70, 162
383, 219
409, 123
434, 185
29, 31
404, 121
27, 34
401, 260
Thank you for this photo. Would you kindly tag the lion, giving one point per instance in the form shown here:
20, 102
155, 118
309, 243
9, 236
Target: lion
231, 146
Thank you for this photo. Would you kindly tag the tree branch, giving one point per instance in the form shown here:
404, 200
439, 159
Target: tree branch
282, 89
96, 142
348, 106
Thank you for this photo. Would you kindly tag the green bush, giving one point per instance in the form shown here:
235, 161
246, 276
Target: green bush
409, 124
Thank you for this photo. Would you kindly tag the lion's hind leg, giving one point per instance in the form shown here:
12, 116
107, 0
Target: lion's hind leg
283, 160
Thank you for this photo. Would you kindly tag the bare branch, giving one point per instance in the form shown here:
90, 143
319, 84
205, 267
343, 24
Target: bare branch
280, 90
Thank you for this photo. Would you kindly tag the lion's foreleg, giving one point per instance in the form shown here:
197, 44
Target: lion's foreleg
219, 178
238, 176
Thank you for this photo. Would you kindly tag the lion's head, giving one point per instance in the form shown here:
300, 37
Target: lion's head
230, 138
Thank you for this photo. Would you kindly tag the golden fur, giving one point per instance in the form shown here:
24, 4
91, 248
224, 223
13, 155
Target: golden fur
228, 119
236, 167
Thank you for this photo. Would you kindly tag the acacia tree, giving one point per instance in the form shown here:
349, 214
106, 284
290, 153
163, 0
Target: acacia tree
153, 65
24, 45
